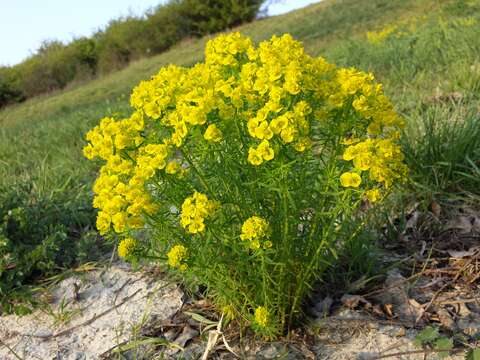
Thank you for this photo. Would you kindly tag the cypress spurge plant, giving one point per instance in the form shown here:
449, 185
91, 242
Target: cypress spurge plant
244, 171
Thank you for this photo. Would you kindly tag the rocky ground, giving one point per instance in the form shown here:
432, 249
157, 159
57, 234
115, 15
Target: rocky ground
89, 316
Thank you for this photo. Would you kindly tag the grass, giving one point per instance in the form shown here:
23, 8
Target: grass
432, 74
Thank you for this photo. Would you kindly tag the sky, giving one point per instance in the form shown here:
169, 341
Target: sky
24, 24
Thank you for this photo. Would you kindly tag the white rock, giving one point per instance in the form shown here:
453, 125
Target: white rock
109, 306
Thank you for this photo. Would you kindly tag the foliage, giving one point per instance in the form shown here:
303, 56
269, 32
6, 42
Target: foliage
210, 16
431, 337
46, 217
122, 41
40, 235
55, 65
247, 169
9, 89
446, 160
473, 354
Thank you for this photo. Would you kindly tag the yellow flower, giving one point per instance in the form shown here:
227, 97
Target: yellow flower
119, 221
288, 134
126, 247
350, 179
362, 161
212, 133
89, 152
172, 167
302, 144
279, 123
373, 195
255, 229
103, 222
176, 257
261, 316
263, 131
265, 150
360, 103
254, 157
195, 209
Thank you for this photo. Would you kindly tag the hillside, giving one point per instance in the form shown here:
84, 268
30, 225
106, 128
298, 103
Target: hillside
425, 54
62, 118
320, 26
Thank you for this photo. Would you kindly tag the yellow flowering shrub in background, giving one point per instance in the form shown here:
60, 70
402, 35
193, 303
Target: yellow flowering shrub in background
398, 29
239, 172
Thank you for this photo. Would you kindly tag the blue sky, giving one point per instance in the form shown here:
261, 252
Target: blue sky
24, 24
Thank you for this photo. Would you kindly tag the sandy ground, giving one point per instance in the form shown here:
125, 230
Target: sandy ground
351, 336
99, 311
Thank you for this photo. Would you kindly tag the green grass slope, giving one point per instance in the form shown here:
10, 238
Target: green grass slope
48, 130
429, 66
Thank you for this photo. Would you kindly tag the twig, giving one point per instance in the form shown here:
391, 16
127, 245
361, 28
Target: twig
453, 302
437, 294
118, 291
11, 350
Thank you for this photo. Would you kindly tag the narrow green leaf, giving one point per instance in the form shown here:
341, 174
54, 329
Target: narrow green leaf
473, 354
147, 341
200, 318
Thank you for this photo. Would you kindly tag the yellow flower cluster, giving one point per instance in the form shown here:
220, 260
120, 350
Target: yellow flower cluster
350, 179
119, 191
398, 29
261, 316
373, 195
381, 158
176, 257
195, 209
263, 152
269, 98
213, 134
465, 22
377, 37
249, 121
256, 231
126, 247
379, 154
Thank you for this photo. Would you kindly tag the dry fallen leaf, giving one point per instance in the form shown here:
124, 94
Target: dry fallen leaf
352, 301
396, 294
462, 254
436, 208
445, 318
187, 334
388, 309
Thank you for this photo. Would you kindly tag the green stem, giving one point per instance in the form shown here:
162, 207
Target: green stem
200, 175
